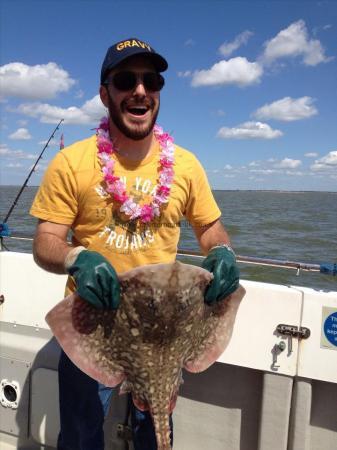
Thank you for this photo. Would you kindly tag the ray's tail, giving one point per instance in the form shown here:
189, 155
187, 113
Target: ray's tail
161, 422
160, 402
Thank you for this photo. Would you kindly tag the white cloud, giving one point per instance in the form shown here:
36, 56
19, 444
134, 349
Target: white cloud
185, 74
327, 162
311, 155
227, 48
3, 149
288, 163
287, 109
249, 130
228, 167
295, 41
21, 134
295, 173
42, 81
8, 153
238, 71
41, 167
79, 94
14, 165
263, 171
52, 143
89, 113
189, 43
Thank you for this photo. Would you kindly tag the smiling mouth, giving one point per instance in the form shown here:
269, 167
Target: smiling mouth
137, 110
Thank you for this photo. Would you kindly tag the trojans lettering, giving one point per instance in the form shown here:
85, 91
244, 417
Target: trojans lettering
125, 242
125, 44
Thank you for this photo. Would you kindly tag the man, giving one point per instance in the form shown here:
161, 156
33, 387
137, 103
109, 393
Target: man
123, 194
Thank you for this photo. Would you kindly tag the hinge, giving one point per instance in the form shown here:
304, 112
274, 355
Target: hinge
293, 331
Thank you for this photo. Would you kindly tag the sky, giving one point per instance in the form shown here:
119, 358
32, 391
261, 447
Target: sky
251, 86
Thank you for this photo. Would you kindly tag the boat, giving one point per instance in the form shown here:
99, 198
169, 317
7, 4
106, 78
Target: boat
274, 387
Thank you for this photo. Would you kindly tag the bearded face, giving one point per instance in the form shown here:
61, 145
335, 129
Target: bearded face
135, 117
134, 112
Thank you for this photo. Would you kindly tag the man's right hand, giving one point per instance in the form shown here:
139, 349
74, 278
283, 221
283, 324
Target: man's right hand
96, 279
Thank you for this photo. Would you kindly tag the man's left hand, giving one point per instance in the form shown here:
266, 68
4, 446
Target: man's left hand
221, 262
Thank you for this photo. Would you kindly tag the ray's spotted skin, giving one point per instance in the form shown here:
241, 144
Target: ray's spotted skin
161, 326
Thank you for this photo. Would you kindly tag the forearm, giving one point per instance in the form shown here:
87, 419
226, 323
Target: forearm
211, 235
50, 252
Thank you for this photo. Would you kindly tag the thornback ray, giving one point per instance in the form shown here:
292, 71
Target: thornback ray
161, 326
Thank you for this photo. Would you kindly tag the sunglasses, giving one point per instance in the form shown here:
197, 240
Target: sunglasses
126, 81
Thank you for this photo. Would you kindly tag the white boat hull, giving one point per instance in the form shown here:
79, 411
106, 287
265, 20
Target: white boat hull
255, 397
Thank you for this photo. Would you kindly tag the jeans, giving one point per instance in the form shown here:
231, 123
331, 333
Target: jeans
83, 405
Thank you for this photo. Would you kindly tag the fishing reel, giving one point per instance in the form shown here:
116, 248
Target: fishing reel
4, 230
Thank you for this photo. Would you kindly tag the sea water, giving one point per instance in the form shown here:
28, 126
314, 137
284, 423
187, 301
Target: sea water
292, 226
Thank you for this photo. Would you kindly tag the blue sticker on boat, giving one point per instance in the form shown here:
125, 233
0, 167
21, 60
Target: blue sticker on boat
330, 328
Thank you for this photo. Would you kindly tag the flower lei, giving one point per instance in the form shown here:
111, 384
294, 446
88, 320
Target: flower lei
116, 187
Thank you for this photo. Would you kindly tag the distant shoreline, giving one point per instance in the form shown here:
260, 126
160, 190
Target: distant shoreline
280, 191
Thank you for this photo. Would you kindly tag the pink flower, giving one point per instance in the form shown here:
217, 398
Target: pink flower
163, 190
166, 177
104, 145
105, 158
168, 171
146, 214
156, 210
121, 198
168, 152
119, 186
109, 178
136, 212
110, 164
164, 139
104, 124
157, 129
160, 199
165, 162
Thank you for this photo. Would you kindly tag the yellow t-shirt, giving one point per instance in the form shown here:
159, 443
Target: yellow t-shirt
72, 193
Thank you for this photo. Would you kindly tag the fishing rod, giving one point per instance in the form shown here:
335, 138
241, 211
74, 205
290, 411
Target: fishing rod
326, 268
4, 230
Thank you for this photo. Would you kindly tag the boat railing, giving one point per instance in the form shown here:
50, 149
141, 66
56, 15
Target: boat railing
325, 268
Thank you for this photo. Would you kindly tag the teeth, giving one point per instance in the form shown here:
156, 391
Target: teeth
138, 107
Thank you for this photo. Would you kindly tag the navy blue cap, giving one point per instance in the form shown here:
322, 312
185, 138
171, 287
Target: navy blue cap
127, 48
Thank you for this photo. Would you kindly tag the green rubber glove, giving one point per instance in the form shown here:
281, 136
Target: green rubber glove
96, 280
221, 262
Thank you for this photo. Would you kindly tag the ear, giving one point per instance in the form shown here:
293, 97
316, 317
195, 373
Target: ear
103, 93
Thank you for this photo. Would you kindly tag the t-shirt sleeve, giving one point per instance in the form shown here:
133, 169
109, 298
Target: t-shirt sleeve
56, 199
201, 208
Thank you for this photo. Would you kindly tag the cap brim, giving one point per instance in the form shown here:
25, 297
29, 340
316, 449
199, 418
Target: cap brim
157, 60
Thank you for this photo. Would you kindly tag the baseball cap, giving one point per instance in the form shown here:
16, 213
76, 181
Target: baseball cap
125, 49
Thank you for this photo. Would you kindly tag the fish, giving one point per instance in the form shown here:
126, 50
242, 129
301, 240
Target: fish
161, 326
